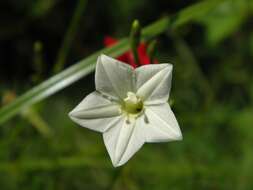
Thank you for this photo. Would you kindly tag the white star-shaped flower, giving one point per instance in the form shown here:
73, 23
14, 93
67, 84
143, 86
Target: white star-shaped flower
129, 107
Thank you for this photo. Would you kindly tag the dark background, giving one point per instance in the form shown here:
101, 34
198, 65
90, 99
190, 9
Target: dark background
212, 97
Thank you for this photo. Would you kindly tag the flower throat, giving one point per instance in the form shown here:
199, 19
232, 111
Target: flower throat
132, 104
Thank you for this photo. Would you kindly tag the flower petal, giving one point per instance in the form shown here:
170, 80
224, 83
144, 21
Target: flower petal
109, 41
95, 112
123, 140
113, 78
161, 124
154, 82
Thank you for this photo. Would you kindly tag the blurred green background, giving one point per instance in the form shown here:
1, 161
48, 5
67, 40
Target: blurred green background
212, 96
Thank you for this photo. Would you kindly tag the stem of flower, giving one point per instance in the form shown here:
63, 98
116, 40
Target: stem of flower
38, 62
152, 50
135, 36
69, 36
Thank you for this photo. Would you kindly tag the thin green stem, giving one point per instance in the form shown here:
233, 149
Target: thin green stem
152, 50
135, 36
37, 121
69, 36
38, 61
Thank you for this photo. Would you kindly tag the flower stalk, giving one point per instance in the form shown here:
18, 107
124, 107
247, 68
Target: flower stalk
135, 36
152, 50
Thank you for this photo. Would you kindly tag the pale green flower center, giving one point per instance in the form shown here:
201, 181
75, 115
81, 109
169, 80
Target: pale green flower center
132, 104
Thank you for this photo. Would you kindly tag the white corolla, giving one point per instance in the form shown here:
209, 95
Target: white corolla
129, 107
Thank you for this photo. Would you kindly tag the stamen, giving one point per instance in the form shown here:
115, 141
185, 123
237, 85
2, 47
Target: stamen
110, 98
132, 104
145, 117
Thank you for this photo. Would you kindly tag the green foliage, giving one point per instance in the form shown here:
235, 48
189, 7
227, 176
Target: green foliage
211, 47
40, 8
225, 20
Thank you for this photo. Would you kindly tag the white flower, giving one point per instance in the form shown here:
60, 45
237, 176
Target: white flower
129, 107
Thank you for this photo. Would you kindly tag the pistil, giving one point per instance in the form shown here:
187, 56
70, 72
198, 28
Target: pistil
132, 104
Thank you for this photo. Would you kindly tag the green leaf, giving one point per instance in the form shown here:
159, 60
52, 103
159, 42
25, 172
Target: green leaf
194, 12
224, 20
87, 65
41, 7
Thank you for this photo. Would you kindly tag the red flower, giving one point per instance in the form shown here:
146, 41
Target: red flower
128, 56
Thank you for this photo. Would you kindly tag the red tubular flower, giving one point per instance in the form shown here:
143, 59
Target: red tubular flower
128, 56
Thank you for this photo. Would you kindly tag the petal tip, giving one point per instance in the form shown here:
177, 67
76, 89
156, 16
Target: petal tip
71, 114
118, 162
102, 55
178, 136
116, 165
169, 66
103, 58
